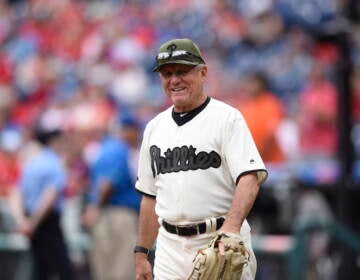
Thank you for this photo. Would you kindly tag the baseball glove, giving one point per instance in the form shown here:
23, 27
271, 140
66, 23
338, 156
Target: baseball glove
215, 263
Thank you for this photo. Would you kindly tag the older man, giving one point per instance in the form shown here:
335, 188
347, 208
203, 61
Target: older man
199, 170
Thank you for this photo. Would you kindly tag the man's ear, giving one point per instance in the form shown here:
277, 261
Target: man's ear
204, 72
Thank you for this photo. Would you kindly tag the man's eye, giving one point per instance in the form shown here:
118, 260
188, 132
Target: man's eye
166, 74
181, 73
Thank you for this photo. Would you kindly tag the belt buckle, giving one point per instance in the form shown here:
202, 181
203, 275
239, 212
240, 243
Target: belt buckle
179, 227
197, 229
193, 226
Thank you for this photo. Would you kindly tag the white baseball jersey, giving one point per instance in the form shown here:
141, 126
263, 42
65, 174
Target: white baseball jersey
192, 163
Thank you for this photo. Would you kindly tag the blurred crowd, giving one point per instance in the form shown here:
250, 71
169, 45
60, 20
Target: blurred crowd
77, 64
84, 67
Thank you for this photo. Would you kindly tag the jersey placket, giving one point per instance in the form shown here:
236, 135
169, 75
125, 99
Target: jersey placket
179, 188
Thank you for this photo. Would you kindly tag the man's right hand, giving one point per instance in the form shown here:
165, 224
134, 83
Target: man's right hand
143, 267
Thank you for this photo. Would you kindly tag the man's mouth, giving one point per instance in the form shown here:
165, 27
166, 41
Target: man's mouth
178, 89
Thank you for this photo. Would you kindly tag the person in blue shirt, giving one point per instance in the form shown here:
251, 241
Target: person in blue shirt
112, 210
38, 207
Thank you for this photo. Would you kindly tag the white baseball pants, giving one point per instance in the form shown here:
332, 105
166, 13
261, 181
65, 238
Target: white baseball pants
174, 255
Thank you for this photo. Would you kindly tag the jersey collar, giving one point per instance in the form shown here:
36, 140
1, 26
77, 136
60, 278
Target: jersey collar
181, 119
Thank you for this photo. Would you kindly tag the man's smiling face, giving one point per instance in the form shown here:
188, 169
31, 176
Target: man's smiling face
183, 84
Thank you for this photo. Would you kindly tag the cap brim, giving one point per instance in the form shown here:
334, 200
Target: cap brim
185, 62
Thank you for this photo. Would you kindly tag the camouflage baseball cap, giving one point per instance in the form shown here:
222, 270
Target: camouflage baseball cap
178, 51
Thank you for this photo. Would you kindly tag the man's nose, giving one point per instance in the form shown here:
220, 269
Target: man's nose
175, 78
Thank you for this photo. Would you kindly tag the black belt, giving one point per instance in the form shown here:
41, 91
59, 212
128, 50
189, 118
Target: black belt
187, 230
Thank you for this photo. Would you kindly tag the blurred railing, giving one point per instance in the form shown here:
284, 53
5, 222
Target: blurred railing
15, 258
299, 253
291, 250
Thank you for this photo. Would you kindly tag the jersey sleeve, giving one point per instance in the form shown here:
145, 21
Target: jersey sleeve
240, 150
145, 182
